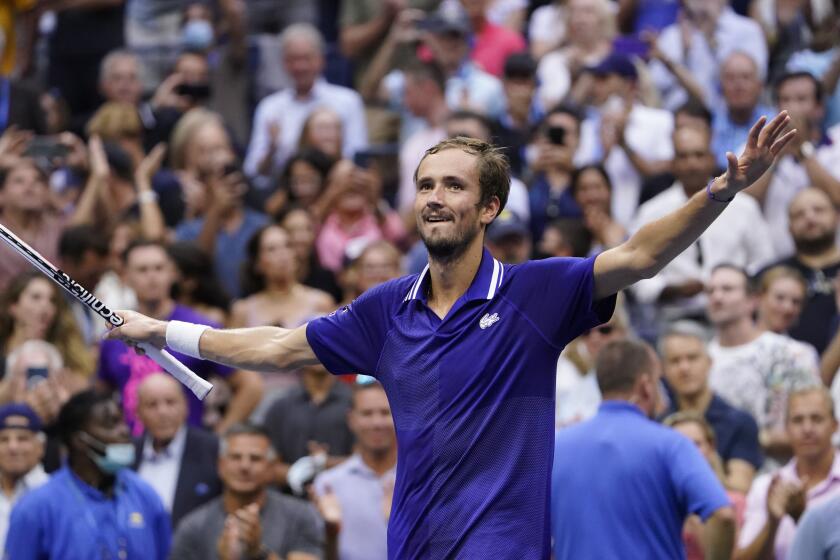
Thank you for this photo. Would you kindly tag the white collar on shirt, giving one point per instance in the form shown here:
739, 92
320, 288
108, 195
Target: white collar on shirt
172, 451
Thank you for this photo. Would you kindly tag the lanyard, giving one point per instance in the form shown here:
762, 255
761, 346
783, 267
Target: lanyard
5, 101
104, 546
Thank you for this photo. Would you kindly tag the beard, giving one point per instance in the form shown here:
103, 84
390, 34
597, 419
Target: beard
449, 249
815, 245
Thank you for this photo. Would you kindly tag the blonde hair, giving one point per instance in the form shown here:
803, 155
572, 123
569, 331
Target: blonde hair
115, 120
777, 273
186, 129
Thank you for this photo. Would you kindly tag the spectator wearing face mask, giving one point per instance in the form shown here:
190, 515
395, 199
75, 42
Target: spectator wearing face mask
94, 506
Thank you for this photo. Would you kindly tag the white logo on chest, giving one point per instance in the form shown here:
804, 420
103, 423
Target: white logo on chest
488, 320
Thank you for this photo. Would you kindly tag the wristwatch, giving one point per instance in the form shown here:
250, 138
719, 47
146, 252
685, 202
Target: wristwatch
807, 150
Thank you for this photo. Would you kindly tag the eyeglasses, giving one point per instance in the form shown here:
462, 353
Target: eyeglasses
604, 330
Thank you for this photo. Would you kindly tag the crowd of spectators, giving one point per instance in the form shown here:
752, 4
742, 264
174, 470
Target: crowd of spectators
240, 163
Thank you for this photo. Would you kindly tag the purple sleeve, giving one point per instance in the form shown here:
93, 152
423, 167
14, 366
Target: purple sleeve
350, 340
557, 295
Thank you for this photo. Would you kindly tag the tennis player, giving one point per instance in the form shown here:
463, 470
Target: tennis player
467, 349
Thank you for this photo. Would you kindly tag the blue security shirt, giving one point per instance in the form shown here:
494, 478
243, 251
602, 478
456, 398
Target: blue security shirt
472, 398
66, 519
622, 486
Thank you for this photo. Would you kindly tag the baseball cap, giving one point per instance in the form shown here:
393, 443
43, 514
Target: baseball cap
520, 64
615, 63
19, 416
445, 22
507, 224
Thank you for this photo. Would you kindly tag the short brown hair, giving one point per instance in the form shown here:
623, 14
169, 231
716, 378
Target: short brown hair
778, 272
690, 417
619, 365
493, 167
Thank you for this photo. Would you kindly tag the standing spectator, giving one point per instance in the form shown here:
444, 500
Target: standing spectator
813, 225
150, 273
739, 237
21, 450
249, 520
95, 505
817, 536
753, 370
492, 43
781, 296
707, 33
310, 421
777, 500
741, 85
354, 497
640, 480
177, 460
26, 211
812, 160
279, 118
686, 364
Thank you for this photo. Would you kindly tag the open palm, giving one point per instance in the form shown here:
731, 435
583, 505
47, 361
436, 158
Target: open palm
764, 144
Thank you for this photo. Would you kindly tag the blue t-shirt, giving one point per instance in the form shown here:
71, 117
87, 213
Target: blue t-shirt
472, 398
65, 519
231, 247
622, 486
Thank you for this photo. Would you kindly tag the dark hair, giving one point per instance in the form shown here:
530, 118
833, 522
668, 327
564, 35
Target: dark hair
788, 76
252, 281
576, 175
194, 263
75, 241
565, 109
466, 114
311, 156
362, 387
426, 71
574, 234
695, 108
141, 243
493, 167
246, 429
619, 365
749, 282
22, 162
77, 411
519, 64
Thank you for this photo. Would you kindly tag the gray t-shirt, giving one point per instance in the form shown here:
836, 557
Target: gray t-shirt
288, 525
818, 533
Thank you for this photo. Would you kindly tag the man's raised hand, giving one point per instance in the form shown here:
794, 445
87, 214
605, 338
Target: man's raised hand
764, 144
138, 328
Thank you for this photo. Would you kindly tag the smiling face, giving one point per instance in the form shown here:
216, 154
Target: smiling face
448, 207
810, 424
781, 304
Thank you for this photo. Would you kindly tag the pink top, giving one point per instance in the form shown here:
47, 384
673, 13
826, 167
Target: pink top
692, 538
332, 240
756, 514
493, 44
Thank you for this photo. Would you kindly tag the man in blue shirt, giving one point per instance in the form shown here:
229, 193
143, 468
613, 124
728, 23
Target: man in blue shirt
467, 349
94, 506
622, 484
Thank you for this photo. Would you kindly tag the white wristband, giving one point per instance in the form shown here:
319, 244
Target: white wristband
183, 337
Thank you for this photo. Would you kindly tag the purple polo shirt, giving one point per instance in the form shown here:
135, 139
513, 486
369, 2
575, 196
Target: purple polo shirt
472, 397
123, 369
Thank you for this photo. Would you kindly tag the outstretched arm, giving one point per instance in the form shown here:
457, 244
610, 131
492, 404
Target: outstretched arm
657, 243
257, 349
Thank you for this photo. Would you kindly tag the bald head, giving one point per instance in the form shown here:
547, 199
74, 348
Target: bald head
161, 406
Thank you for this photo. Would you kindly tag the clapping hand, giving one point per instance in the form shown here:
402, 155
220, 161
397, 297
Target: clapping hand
764, 144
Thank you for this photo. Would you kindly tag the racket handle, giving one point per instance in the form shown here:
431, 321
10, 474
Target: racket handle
199, 386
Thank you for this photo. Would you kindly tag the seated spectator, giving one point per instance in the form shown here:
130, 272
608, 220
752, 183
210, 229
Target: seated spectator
177, 460
592, 190
21, 450
693, 426
323, 131
301, 226
589, 32
741, 106
249, 519
302, 182
195, 285
354, 497
33, 309
712, 32
492, 43
279, 118
777, 500
309, 421
812, 160
554, 151
638, 479
273, 295
814, 224
508, 238
26, 211
781, 295
740, 237
686, 365
754, 370
377, 263
82, 512
353, 211
150, 273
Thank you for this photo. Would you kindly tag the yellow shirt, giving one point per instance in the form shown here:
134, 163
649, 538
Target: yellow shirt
9, 9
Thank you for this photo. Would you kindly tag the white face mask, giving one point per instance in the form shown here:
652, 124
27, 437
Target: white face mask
110, 457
